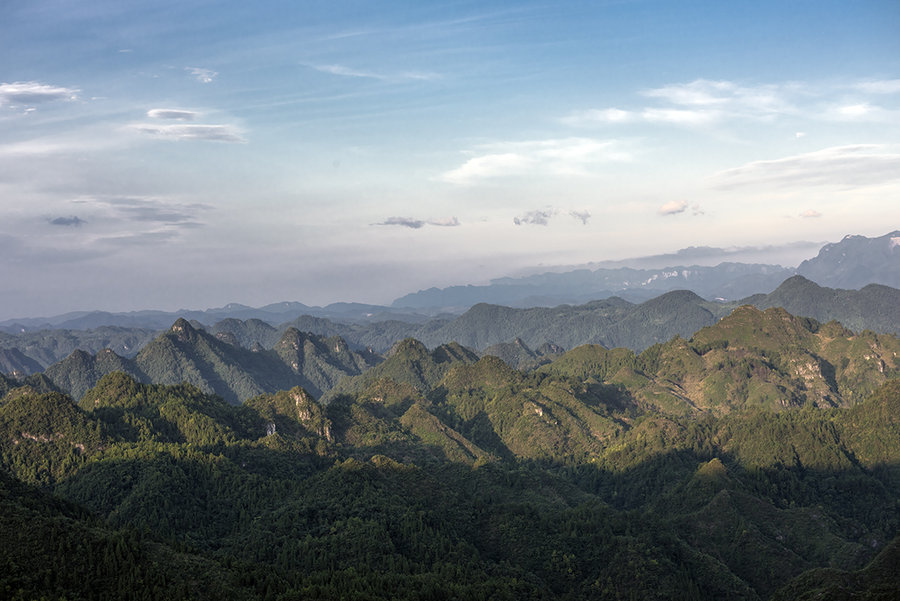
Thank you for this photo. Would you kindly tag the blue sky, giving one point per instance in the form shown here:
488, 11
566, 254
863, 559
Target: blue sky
189, 154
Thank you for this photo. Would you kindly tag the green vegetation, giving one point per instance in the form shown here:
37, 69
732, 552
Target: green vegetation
758, 459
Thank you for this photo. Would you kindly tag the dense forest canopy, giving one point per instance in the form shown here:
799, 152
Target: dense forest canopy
758, 459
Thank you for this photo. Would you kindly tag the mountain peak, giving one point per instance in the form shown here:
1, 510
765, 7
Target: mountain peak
182, 325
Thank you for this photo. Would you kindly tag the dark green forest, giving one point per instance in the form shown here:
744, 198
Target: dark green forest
757, 459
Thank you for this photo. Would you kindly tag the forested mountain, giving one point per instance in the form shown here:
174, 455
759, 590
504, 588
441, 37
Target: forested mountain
728, 281
46, 347
16, 363
757, 459
874, 307
612, 322
217, 366
856, 261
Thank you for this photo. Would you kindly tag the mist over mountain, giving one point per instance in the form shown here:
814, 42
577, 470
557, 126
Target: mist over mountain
851, 263
856, 261
612, 322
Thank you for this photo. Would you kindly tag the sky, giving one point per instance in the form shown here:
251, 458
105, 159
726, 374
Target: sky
190, 154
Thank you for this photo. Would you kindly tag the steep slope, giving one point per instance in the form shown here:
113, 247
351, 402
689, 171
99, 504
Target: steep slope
856, 261
772, 359
874, 307
519, 355
16, 363
321, 362
726, 280
409, 362
246, 333
81, 371
611, 322
49, 346
185, 354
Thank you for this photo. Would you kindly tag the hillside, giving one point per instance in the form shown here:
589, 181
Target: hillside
612, 322
874, 307
852, 263
453, 476
856, 261
219, 366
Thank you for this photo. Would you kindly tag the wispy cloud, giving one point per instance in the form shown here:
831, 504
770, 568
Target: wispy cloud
32, 92
705, 103
810, 214
673, 207
202, 75
879, 86
175, 114
214, 133
148, 209
345, 71
73, 221
568, 156
842, 166
488, 166
413, 223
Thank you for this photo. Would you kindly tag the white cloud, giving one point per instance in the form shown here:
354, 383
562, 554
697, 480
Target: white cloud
842, 166
345, 71
698, 103
700, 92
176, 114
488, 166
202, 75
808, 214
704, 103
725, 95
883, 86
681, 116
567, 156
611, 115
215, 133
32, 92
673, 207
861, 112
855, 110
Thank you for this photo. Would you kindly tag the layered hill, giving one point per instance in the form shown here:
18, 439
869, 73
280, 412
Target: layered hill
873, 307
852, 263
488, 482
217, 366
856, 261
611, 322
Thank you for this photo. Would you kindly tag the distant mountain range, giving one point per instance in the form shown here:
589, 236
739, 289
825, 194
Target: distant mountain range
852, 263
186, 354
239, 360
612, 322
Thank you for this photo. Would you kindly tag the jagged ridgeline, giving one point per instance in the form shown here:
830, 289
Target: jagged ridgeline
738, 463
216, 365
611, 322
